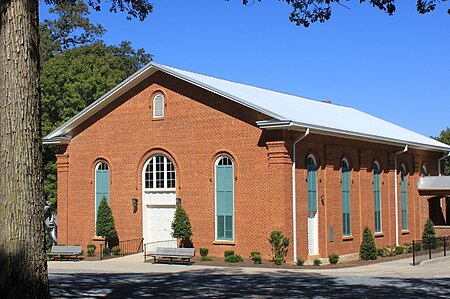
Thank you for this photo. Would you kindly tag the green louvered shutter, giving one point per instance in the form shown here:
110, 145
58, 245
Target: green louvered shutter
312, 188
346, 220
377, 199
224, 197
404, 201
101, 187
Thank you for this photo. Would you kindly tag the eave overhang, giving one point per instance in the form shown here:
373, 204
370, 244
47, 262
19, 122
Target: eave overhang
315, 129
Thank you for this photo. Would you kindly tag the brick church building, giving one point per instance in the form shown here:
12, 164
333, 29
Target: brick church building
243, 161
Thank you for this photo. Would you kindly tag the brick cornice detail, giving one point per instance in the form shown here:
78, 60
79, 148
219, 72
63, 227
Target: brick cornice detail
62, 162
278, 153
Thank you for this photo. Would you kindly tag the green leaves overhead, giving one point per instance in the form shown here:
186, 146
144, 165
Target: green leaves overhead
305, 12
137, 9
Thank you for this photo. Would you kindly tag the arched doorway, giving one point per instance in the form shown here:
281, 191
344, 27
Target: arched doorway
159, 201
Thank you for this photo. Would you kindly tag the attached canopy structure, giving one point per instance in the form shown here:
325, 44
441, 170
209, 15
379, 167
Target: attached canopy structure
434, 185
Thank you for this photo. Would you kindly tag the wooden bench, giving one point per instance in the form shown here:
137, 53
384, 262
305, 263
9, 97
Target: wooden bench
65, 251
171, 254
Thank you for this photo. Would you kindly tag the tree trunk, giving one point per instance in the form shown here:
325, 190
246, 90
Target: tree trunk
23, 266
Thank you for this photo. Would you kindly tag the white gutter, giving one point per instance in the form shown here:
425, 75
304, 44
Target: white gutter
294, 195
285, 124
396, 191
439, 162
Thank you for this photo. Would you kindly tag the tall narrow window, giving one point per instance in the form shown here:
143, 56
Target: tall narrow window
346, 216
158, 106
377, 196
312, 183
224, 198
159, 173
404, 197
101, 184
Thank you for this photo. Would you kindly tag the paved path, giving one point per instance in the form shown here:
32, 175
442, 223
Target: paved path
129, 277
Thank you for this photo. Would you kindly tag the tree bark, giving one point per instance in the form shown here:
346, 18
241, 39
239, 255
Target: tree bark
23, 266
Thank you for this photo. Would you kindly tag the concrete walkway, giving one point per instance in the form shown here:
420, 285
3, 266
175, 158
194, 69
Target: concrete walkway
438, 268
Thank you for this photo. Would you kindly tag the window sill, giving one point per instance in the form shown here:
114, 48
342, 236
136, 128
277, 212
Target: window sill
157, 118
405, 232
378, 235
347, 238
224, 243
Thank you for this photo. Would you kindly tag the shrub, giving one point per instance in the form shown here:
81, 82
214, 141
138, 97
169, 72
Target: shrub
279, 243
333, 258
256, 257
91, 249
300, 261
408, 247
205, 258
317, 262
235, 258
204, 251
380, 251
181, 226
368, 250
278, 260
417, 247
116, 250
106, 251
429, 236
228, 252
105, 221
399, 250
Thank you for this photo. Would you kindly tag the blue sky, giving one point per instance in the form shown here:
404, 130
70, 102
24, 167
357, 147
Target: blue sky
394, 67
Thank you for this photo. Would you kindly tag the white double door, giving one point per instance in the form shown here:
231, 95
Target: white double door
158, 213
313, 233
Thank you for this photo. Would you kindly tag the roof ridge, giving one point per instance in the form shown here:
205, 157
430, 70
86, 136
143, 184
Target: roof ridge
249, 85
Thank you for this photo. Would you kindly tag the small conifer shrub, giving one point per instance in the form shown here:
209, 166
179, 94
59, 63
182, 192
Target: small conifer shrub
105, 221
333, 258
368, 250
429, 240
181, 226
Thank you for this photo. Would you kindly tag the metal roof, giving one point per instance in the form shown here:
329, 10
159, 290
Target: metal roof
434, 185
283, 111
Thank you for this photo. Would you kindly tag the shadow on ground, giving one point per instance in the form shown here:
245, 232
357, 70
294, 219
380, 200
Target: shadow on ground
219, 283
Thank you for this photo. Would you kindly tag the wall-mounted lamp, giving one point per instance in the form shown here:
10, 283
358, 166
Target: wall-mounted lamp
134, 202
322, 199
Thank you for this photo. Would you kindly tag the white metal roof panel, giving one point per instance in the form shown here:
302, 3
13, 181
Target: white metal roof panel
433, 183
275, 105
309, 112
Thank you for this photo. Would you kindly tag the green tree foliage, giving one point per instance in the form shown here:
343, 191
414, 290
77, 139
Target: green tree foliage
70, 28
368, 250
77, 68
181, 226
444, 137
279, 244
305, 12
105, 226
429, 240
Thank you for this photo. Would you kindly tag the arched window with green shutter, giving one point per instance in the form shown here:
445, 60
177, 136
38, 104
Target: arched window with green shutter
377, 195
101, 184
224, 172
404, 196
312, 183
346, 208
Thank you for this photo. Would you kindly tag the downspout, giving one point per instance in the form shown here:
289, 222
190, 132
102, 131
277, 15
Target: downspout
294, 195
439, 162
396, 191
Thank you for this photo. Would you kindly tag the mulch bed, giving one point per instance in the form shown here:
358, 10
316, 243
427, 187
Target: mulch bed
268, 264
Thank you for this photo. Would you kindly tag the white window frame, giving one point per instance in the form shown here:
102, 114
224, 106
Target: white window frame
215, 198
152, 159
162, 103
381, 199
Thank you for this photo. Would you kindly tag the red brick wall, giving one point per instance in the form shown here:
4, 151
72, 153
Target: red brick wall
197, 127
